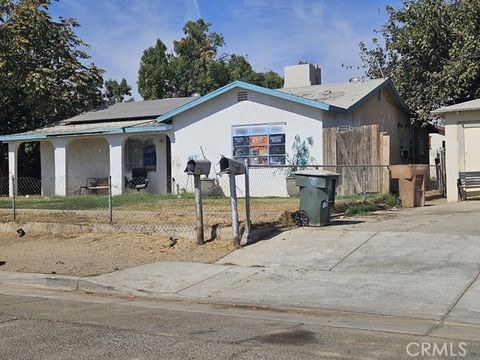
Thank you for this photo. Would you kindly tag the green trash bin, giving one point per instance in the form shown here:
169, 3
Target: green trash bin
317, 196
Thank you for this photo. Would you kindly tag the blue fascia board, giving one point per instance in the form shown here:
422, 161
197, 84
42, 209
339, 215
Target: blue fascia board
14, 137
126, 130
137, 130
246, 86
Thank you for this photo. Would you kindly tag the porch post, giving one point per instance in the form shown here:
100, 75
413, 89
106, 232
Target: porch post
116, 163
60, 158
12, 166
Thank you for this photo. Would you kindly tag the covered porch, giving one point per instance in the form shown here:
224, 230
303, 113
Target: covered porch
73, 162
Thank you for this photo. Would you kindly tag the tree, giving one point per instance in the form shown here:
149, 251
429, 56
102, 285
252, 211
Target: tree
154, 73
43, 75
194, 66
116, 92
431, 50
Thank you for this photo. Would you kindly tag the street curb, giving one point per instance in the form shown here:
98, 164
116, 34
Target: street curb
89, 286
56, 282
328, 317
59, 282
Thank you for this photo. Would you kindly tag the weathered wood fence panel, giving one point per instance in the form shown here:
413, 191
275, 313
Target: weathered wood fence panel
356, 154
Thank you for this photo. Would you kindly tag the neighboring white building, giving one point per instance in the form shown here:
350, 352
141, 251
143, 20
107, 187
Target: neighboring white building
462, 135
238, 120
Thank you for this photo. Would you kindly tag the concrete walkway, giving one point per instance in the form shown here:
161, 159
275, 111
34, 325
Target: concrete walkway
419, 265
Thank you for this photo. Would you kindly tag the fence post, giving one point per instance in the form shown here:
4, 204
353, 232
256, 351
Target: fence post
364, 181
247, 201
14, 205
110, 209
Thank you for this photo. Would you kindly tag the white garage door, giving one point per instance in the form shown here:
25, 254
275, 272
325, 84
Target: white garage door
472, 148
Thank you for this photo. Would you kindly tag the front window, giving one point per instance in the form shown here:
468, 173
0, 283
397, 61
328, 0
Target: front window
260, 144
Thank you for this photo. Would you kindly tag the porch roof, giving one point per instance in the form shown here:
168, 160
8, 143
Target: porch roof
135, 110
89, 129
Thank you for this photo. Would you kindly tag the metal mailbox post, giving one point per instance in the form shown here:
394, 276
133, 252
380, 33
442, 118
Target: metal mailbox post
197, 168
233, 168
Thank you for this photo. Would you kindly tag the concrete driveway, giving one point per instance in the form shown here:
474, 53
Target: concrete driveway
414, 271
422, 263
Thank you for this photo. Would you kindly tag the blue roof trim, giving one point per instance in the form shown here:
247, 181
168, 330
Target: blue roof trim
136, 130
23, 137
246, 86
113, 131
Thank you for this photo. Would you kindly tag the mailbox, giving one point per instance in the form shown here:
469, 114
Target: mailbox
198, 167
231, 166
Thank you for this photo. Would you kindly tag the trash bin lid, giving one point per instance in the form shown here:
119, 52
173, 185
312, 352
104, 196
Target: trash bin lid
314, 178
313, 173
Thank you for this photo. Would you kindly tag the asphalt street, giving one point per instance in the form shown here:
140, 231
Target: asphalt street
42, 324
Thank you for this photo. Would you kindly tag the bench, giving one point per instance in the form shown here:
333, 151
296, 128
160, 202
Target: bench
96, 186
468, 180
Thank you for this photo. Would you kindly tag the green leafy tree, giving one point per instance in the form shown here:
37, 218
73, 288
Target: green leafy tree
240, 69
43, 72
195, 66
155, 77
431, 50
116, 92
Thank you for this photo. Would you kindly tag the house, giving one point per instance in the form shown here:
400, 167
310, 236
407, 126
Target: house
238, 120
462, 134
99, 144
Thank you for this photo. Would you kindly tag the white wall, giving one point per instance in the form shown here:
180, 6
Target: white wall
455, 147
47, 166
210, 126
87, 157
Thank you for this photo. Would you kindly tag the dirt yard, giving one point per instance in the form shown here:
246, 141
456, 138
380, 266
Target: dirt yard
92, 254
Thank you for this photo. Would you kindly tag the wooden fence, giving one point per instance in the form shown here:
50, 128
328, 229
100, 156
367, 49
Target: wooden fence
361, 155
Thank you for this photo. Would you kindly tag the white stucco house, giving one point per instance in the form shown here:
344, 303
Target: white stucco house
238, 120
462, 136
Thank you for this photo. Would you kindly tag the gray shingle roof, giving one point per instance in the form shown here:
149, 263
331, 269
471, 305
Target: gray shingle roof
147, 109
464, 106
342, 95
90, 127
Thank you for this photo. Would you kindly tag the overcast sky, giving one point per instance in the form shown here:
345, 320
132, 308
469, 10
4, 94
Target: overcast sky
272, 33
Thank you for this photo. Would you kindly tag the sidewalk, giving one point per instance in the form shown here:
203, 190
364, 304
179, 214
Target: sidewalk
425, 275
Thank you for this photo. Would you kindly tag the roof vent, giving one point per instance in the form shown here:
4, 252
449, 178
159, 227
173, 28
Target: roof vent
242, 96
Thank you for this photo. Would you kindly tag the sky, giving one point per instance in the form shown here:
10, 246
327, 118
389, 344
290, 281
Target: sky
272, 33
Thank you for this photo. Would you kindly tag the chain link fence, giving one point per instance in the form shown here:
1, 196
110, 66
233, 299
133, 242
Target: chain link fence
92, 201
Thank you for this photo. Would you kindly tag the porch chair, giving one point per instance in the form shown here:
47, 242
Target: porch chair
139, 179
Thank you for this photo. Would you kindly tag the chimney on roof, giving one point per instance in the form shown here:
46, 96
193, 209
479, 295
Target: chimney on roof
303, 74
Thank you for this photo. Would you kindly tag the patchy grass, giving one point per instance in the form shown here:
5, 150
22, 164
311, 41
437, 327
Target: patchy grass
360, 205
171, 210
